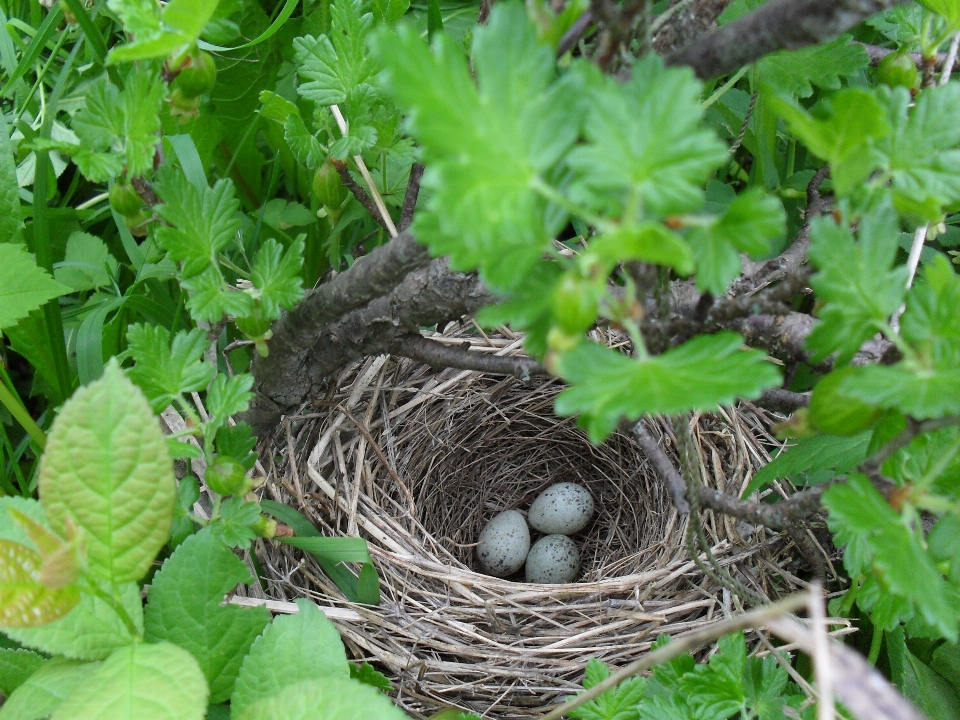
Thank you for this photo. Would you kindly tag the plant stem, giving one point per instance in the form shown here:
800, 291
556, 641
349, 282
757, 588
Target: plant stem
20, 414
720, 91
875, 643
114, 602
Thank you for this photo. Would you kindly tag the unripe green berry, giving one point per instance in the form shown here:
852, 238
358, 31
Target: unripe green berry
226, 476
898, 70
328, 187
125, 199
197, 75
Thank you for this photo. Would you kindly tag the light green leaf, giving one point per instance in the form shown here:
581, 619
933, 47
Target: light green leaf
91, 631
16, 667
11, 215
335, 64
211, 298
276, 276
794, 72
88, 263
324, 699
303, 144
647, 242
10, 529
24, 601
47, 688
292, 648
389, 11
107, 469
139, 17
156, 681
186, 608
166, 370
229, 395
701, 374
949, 10
918, 682
178, 26
24, 286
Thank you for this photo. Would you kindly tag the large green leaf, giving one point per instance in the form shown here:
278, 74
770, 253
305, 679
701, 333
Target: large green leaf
107, 469
24, 286
16, 667
186, 608
156, 681
324, 699
88, 263
305, 646
795, 71
46, 689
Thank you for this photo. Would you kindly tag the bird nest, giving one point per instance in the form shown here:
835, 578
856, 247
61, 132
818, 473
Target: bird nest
418, 460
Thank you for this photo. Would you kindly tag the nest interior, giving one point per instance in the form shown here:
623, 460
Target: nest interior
417, 461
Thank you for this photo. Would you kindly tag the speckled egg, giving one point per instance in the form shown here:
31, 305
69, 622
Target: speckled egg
503, 544
553, 559
563, 508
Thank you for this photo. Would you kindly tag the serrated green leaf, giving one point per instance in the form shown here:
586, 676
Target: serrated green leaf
485, 148
751, 224
88, 263
186, 608
915, 390
335, 64
856, 281
389, 11
171, 31
16, 667
91, 631
238, 518
918, 682
24, 601
11, 215
292, 648
620, 703
166, 370
645, 137
820, 452
324, 699
107, 469
47, 688
701, 374
930, 322
203, 220
878, 543
647, 242
717, 687
211, 298
139, 17
303, 144
24, 286
157, 681
276, 276
369, 675
949, 10
229, 395
794, 72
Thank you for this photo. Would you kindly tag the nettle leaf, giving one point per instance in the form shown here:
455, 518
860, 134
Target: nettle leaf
620, 703
204, 221
856, 281
88, 263
297, 647
11, 214
24, 286
24, 600
44, 691
107, 469
276, 276
16, 667
878, 543
166, 370
336, 63
845, 138
701, 374
324, 699
795, 72
124, 124
751, 224
485, 147
645, 137
160, 681
186, 608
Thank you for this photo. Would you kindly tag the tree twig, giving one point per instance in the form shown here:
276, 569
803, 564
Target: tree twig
572, 36
782, 401
358, 192
665, 469
410, 197
437, 355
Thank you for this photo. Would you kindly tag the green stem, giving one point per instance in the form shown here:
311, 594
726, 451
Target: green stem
548, 192
721, 91
116, 606
875, 643
20, 414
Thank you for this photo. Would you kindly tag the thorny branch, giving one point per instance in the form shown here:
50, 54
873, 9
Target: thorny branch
358, 192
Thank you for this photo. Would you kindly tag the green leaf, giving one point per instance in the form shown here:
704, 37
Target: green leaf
620, 703
238, 518
88, 263
485, 148
794, 72
204, 221
878, 543
751, 224
293, 647
946, 662
157, 681
644, 137
845, 137
276, 275
718, 687
701, 374
324, 699
921, 392
91, 631
139, 17
25, 601
336, 63
11, 215
647, 242
47, 688
228, 396
188, 492
949, 10
334, 549
24, 286
16, 667
820, 452
237, 441
918, 682
186, 608
211, 298
166, 370
107, 469
178, 26
856, 281
389, 11
303, 144
369, 675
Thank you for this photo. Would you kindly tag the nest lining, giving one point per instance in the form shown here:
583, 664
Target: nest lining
418, 460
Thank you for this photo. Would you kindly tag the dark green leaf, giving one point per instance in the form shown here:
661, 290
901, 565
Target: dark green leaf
820, 452
165, 370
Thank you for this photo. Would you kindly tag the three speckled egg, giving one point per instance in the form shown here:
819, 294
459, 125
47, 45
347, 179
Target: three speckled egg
561, 510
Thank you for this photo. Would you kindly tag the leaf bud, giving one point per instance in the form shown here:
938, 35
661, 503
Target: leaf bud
328, 187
